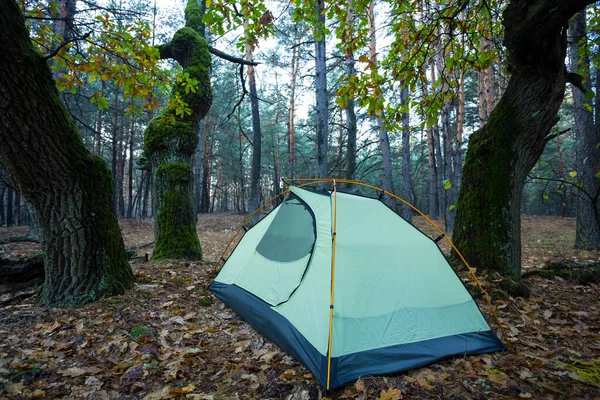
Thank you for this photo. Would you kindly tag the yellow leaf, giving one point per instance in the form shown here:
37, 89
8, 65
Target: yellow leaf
390, 394
500, 379
184, 390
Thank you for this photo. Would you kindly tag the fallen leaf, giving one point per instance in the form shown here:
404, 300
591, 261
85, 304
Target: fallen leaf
390, 394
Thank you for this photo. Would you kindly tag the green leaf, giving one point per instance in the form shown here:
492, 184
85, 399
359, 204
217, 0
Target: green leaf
534, 114
573, 174
447, 184
102, 103
545, 196
589, 95
452, 207
588, 107
598, 175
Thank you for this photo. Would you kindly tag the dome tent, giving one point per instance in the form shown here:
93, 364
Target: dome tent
348, 288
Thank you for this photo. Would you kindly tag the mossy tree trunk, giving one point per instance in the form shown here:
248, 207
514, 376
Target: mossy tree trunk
69, 189
501, 153
171, 139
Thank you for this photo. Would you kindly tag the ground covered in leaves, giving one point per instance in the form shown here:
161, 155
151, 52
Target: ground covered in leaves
169, 338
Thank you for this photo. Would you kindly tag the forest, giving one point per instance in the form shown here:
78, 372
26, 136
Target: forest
140, 140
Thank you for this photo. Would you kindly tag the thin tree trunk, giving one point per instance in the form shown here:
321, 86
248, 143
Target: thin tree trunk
433, 172
68, 189
292, 105
322, 169
460, 123
147, 191
256, 134
98, 133
587, 153
206, 168
10, 194
384, 140
114, 160
407, 187
350, 112
130, 171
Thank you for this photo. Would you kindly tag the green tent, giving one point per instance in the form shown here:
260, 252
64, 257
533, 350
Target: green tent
397, 303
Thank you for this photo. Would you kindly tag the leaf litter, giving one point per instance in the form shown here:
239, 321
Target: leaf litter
169, 338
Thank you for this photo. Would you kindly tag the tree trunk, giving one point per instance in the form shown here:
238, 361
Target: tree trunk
10, 194
384, 140
130, 169
68, 189
146, 197
322, 170
171, 139
114, 159
206, 168
292, 106
407, 189
433, 172
587, 235
350, 112
256, 134
98, 133
501, 154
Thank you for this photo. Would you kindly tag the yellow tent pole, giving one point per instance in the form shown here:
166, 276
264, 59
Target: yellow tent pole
333, 241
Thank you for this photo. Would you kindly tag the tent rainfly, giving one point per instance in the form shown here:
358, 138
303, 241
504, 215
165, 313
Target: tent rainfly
349, 289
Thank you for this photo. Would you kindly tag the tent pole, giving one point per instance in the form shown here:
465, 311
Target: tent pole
333, 242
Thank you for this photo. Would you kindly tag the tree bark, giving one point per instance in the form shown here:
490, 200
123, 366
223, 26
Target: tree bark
322, 170
501, 154
68, 189
587, 232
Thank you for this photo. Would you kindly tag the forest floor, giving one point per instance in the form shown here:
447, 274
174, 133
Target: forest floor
169, 338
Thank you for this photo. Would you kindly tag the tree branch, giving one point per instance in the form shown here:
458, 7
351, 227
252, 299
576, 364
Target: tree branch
577, 81
233, 59
66, 42
557, 134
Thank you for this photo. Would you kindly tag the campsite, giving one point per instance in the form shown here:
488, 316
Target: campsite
299, 199
169, 338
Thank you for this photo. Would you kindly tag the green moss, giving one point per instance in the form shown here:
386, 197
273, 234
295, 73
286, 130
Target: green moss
483, 221
194, 14
174, 173
166, 133
176, 235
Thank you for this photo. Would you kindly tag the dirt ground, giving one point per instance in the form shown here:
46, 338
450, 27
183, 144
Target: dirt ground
169, 338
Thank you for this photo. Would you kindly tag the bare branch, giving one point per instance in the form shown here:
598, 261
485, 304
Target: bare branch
66, 42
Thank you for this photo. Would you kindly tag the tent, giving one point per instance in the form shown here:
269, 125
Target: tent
347, 287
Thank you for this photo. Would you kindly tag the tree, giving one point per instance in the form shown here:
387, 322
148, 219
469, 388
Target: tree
321, 92
171, 139
587, 153
68, 189
256, 132
501, 153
